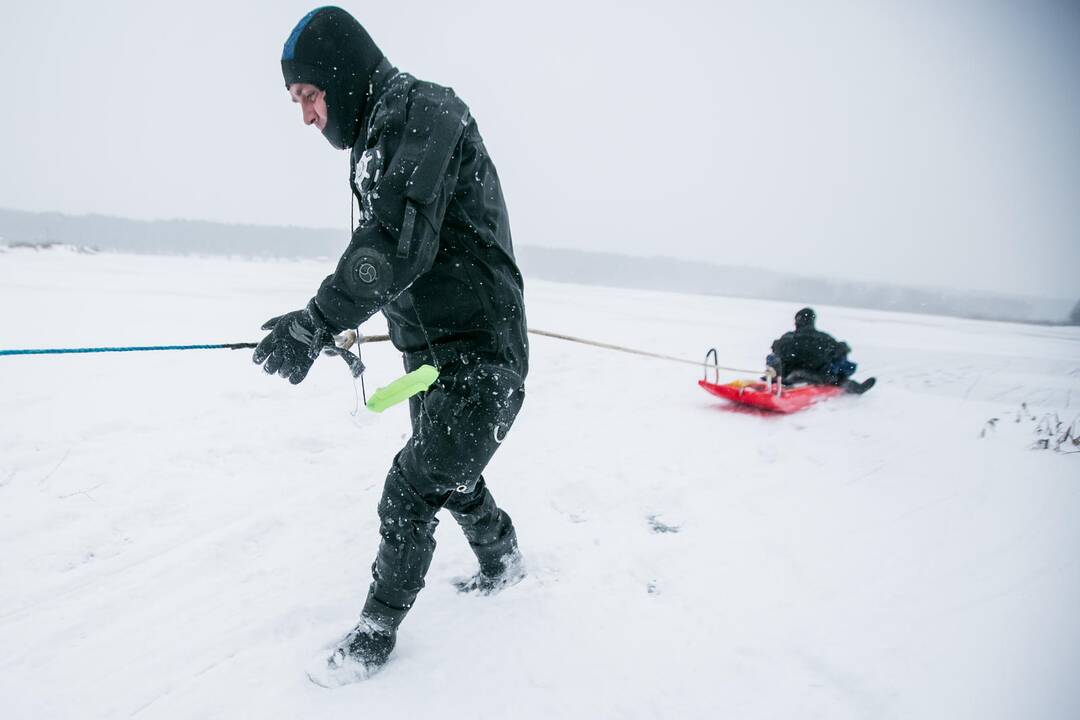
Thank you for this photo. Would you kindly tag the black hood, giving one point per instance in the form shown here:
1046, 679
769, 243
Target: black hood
331, 50
805, 318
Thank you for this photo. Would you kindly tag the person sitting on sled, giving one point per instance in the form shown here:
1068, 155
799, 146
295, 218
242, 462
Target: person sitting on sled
809, 355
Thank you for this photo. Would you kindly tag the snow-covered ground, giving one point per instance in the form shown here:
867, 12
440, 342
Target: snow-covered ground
179, 531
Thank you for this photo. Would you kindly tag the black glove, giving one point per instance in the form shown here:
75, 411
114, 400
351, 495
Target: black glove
295, 340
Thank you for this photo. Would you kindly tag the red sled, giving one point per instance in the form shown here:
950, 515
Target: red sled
760, 395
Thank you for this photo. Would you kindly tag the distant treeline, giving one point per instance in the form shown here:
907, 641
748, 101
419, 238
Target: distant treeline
167, 237
181, 237
697, 277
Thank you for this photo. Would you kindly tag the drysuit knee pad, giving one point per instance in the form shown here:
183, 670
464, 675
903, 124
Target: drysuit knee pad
401, 502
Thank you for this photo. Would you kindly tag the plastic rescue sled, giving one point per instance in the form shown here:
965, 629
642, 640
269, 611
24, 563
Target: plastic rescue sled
760, 395
768, 396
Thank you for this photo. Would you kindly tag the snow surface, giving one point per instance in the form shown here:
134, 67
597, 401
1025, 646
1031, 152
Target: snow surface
179, 531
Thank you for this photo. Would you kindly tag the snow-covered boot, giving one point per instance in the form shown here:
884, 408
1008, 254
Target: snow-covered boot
495, 575
362, 652
358, 655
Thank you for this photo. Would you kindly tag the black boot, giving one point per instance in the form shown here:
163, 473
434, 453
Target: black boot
858, 388
364, 651
367, 646
496, 574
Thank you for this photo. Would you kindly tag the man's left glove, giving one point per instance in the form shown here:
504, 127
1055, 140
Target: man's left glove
295, 340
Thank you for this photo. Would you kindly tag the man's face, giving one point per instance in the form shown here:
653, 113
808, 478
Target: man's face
312, 103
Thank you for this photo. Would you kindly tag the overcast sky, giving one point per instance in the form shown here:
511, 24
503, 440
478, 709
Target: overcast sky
932, 143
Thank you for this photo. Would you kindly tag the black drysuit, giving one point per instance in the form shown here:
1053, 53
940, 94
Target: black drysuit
433, 252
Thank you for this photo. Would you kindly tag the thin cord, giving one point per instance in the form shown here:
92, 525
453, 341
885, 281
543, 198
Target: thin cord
632, 351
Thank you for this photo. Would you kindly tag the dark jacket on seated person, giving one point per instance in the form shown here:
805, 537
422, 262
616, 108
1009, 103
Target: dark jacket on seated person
810, 355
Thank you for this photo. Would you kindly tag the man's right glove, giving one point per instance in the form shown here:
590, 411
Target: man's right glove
295, 340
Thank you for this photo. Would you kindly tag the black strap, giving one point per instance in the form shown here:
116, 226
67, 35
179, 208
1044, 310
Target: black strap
405, 240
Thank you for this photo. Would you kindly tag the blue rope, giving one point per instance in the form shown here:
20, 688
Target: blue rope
143, 348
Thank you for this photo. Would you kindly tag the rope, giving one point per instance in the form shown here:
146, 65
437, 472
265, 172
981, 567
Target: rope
153, 348
137, 348
367, 339
632, 351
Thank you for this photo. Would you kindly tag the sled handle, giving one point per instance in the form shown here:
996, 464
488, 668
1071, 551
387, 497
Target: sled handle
715, 366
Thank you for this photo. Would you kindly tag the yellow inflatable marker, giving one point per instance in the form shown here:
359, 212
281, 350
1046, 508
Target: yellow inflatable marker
403, 388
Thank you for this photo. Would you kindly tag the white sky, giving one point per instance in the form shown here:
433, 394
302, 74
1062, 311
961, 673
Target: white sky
924, 142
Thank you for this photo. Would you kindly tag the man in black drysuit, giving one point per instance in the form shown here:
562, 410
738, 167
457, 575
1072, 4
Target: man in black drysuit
809, 355
433, 253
